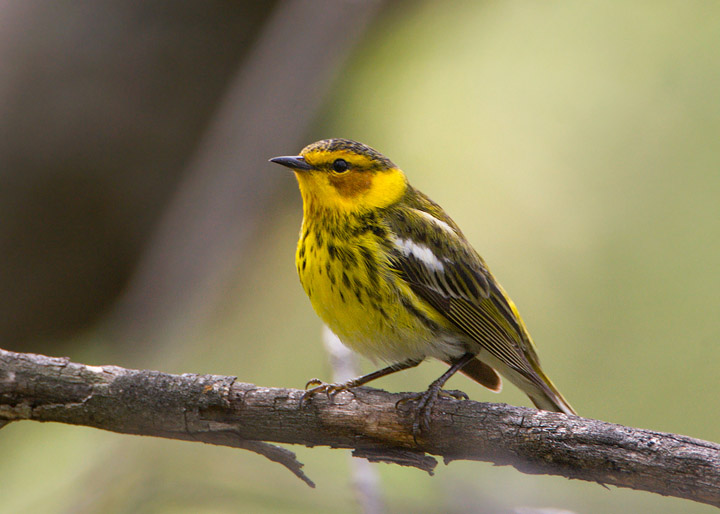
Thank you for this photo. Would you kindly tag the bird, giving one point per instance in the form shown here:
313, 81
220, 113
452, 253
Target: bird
393, 276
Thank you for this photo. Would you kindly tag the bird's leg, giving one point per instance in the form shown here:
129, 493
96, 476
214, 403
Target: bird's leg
426, 399
318, 386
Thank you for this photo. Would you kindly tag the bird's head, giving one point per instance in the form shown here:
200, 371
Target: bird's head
346, 176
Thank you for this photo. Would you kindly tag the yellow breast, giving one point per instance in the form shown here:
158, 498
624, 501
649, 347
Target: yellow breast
354, 291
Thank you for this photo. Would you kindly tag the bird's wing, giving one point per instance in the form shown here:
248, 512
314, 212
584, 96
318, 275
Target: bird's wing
443, 269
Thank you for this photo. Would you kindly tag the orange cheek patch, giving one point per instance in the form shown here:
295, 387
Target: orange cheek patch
351, 184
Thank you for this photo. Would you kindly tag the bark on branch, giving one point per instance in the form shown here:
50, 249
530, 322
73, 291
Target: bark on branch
219, 410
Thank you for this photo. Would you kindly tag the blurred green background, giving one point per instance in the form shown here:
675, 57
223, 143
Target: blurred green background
575, 144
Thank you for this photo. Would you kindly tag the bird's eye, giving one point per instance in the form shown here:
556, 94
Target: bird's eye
340, 165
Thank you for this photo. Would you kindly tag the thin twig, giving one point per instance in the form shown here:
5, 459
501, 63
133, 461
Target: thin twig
365, 477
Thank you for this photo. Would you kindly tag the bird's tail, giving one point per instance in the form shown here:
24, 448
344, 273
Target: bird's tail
548, 397
482, 374
541, 391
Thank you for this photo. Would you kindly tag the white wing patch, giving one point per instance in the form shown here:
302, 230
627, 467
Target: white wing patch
433, 219
420, 252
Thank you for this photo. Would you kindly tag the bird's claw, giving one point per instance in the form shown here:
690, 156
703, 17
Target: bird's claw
318, 386
454, 393
425, 402
313, 382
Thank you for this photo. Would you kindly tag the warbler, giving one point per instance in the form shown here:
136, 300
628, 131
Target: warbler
395, 279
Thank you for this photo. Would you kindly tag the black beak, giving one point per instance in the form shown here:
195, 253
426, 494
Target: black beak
295, 163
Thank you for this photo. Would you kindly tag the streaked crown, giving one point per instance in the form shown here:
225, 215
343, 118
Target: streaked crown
356, 154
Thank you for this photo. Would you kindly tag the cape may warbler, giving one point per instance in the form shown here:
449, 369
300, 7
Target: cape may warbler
393, 276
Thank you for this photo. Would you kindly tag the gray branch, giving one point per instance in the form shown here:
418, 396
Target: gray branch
220, 410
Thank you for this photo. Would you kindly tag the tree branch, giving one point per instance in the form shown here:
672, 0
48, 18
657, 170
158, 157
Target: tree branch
219, 410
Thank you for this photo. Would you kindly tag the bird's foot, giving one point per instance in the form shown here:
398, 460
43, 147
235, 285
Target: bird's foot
424, 405
318, 386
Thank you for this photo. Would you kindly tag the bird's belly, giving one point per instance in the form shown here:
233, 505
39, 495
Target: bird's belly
371, 315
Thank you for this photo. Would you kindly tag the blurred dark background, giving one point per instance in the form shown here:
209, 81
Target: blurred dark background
103, 105
141, 225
